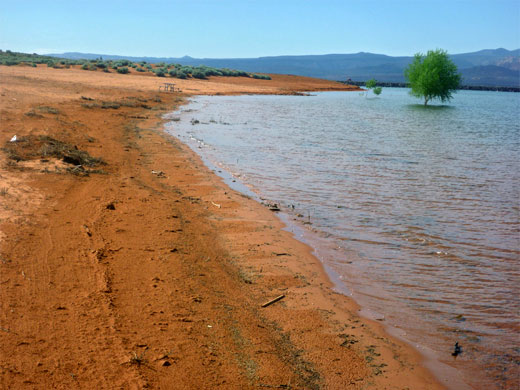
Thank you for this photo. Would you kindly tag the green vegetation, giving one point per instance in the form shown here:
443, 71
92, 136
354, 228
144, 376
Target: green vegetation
10, 58
122, 66
160, 72
372, 85
261, 76
432, 76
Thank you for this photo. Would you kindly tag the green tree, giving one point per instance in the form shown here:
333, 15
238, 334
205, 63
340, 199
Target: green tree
372, 85
432, 76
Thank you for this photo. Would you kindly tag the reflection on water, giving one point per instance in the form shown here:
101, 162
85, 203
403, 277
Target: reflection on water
421, 202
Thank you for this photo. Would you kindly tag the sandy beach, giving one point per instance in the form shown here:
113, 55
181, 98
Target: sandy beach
142, 269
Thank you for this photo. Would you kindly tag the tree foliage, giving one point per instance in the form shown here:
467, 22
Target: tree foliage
372, 85
432, 76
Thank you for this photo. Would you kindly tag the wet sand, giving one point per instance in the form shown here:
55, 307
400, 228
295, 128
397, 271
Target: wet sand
147, 271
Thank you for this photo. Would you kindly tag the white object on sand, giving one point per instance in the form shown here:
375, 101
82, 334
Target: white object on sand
13, 139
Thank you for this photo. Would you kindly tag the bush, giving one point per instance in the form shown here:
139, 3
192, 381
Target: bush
160, 72
123, 70
261, 76
122, 63
141, 70
199, 74
85, 67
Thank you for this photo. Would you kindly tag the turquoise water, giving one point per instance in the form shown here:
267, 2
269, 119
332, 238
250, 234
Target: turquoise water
415, 208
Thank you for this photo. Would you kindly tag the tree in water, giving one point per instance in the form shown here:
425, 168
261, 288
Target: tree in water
372, 85
432, 76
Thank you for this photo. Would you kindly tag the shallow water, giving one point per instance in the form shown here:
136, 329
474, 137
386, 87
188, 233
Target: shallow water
415, 208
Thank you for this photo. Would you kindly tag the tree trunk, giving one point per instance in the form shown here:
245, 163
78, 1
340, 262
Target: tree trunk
425, 101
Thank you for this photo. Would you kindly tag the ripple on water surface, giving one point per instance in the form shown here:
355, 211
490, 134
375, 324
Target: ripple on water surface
420, 202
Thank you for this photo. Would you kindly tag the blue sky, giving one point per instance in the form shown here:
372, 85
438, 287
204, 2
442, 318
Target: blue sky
246, 28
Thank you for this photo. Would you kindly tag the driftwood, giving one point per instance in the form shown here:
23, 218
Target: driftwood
278, 298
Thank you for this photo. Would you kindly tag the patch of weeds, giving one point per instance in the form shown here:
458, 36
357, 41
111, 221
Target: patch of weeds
90, 105
4, 191
36, 147
348, 340
33, 114
137, 359
249, 366
48, 110
112, 105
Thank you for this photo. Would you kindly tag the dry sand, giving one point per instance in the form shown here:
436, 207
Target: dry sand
149, 272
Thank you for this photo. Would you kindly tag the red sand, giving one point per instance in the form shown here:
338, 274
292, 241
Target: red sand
152, 273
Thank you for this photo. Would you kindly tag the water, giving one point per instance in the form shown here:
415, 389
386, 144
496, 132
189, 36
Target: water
415, 208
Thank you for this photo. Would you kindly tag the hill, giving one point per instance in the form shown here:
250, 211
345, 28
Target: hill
490, 67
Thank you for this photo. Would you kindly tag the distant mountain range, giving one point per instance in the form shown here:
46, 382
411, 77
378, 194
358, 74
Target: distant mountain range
495, 67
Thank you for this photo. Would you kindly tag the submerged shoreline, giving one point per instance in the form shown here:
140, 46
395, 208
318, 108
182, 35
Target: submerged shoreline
147, 270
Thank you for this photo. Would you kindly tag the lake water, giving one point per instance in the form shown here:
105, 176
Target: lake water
415, 209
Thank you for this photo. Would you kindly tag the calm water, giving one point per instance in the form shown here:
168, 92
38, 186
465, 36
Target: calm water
416, 209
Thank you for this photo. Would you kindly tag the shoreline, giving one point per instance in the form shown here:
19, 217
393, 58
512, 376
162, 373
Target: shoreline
191, 303
443, 372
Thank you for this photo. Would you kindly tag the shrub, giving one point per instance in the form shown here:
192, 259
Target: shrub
141, 70
122, 63
159, 72
181, 74
261, 76
123, 70
199, 74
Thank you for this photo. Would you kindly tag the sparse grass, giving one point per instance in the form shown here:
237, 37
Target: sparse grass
48, 110
4, 191
137, 359
32, 114
35, 147
91, 105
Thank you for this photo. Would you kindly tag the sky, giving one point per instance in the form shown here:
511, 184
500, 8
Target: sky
247, 28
